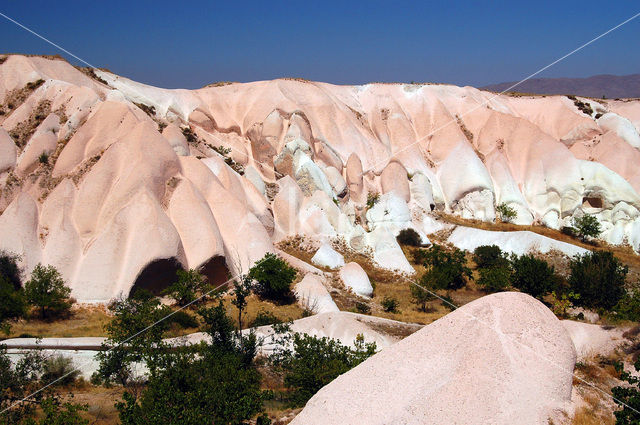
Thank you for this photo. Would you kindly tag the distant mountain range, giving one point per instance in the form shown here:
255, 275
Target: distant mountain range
609, 86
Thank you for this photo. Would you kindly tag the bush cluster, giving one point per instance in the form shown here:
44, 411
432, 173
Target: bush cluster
409, 237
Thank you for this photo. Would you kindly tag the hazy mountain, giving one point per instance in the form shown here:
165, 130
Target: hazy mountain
609, 86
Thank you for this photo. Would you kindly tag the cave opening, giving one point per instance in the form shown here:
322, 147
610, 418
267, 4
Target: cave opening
592, 202
157, 276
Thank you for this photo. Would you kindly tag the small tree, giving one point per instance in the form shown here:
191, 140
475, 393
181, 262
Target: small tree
188, 286
312, 362
507, 213
599, 278
46, 290
273, 278
389, 304
494, 279
587, 226
487, 256
9, 268
242, 290
409, 237
533, 275
422, 292
137, 321
627, 396
12, 306
445, 269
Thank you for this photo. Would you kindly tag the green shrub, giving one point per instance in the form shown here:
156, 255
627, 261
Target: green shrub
569, 231
43, 158
273, 278
422, 292
314, 362
533, 275
506, 212
208, 383
190, 284
12, 304
264, 318
486, 256
9, 268
445, 269
627, 396
587, 226
599, 278
60, 367
23, 380
628, 308
494, 279
372, 199
362, 307
183, 320
390, 304
46, 290
409, 237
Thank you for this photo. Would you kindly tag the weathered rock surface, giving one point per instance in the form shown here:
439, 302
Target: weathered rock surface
502, 359
221, 173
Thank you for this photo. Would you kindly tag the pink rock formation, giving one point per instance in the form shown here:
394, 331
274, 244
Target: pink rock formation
117, 153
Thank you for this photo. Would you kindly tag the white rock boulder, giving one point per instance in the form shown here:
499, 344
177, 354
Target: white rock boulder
326, 256
502, 359
312, 294
356, 279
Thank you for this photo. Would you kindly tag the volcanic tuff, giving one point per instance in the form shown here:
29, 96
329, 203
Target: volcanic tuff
137, 180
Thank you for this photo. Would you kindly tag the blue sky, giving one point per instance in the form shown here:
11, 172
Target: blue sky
191, 44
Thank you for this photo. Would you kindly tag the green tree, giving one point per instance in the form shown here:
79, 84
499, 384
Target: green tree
599, 278
12, 306
494, 279
9, 268
409, 237
445, 269
189, 285
533, 275
273, 278
627, 396
214, 382
134, 335
241, 290
422, 292
486, 256
46, 290
312, 362
587, 226
507, 213
22, 393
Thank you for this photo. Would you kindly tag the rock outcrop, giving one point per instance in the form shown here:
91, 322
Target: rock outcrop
502, 359
114, 181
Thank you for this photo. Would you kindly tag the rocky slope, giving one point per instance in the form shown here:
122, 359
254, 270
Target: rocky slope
116, 183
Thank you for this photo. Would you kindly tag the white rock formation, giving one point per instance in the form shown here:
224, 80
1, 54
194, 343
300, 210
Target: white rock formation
312, 295
306, 156
326, 256
502, 359
523, 242
356, 279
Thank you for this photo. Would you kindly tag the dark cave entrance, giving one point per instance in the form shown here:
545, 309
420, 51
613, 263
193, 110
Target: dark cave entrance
592, 202
157, 276
215, 270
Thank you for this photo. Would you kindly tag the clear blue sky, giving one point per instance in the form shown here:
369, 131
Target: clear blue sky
191, 44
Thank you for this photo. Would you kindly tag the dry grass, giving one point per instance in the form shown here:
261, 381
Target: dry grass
101, 402
84, 321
